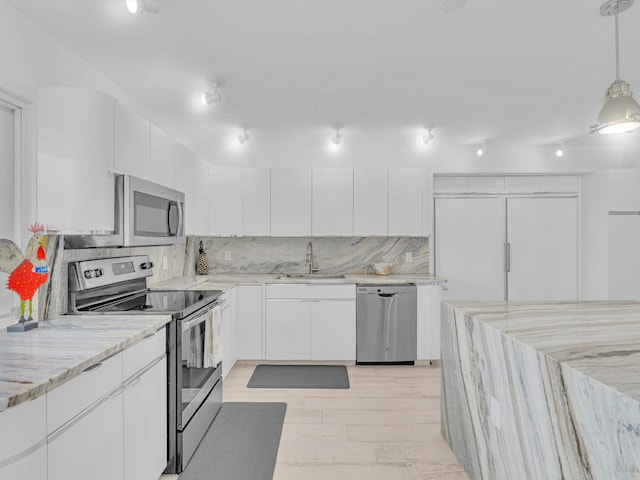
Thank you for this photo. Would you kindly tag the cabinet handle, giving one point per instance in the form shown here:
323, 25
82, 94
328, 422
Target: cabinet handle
134, 382
92, 367
507, 257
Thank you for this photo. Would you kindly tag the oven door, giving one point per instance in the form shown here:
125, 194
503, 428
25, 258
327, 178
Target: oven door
201, 354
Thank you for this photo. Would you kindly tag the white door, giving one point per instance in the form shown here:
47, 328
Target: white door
542, 235
7, 198
469, 247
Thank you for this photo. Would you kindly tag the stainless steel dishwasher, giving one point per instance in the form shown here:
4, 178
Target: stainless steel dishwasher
386, 323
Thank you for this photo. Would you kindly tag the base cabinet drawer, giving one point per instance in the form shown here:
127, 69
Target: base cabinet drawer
90, 446
23, 448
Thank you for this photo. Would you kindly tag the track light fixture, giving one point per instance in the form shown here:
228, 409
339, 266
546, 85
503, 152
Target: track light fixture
559, 150
208, 97
244, 136
427, 137
482, 150
620, 113
138, 7
337, 139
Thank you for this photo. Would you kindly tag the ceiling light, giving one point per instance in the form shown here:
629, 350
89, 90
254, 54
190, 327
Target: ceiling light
244, 136
559, 152
427, 137
337, 139
620, 113
482, 150
138, 7
207, 97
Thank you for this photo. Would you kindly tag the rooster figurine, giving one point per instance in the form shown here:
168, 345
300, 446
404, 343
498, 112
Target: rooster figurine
26, 272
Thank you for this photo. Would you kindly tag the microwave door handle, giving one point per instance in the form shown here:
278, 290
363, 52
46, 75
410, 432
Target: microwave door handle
171, 207
180, 230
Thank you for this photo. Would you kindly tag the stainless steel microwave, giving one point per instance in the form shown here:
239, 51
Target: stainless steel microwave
152, 214
146, 214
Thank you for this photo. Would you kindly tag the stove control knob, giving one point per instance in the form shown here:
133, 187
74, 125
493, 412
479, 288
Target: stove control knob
98, 272
88, 274
146, 265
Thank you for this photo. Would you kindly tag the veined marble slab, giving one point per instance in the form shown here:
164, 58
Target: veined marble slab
34, 362
542, 390
230, 280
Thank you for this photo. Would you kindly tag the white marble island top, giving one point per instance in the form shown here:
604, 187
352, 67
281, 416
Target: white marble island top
225, 281
542, 390
34, 362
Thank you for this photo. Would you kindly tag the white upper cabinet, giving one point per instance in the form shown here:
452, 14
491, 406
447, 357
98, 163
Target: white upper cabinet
225, 201
370, 201
132, 134
332, 201
290, 201
75, 154
185, 182
163, 153
256, 202
406, 186
201, 189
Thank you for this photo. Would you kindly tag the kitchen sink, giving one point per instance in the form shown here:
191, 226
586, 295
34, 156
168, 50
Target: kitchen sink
312, 277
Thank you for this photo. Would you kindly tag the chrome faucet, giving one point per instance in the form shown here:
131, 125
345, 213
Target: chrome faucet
309, 260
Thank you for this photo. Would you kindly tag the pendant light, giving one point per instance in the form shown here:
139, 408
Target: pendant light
620, 113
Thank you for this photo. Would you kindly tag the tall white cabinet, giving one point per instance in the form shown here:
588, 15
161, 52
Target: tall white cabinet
509, 244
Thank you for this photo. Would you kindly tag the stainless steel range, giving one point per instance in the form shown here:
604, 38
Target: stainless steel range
194, 381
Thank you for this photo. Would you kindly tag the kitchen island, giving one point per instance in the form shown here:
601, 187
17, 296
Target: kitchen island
542, 390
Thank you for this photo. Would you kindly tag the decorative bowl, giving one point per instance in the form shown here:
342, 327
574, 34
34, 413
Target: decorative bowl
382, 268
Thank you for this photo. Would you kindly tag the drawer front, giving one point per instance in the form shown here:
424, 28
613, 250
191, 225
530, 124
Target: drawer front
68, 400
141, 353
23, 427
311, 291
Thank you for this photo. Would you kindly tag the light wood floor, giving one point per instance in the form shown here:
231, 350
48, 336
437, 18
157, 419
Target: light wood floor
385, 427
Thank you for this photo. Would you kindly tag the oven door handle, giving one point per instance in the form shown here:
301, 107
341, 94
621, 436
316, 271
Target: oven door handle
199, 318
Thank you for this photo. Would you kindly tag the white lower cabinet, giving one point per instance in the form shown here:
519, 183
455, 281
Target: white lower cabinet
228, 306
428, 325
145, 423
333, 330
91, 446
100, 427
23, 448
310, 322
288, 329
249, 326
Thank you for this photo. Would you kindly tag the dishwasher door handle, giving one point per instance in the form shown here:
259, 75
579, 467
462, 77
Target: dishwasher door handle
387, 295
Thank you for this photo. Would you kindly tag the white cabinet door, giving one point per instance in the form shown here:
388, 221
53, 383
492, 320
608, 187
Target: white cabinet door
370, 201
624, 257
542, 234
24, 427
75, 154
226, 339
469, 247
406, 186
92, 447
131, 142
145, 424
201, 188
290, 201
163, 154
288, 330
428, 331
256, 202
249, 329
332, 201
185, 182
333, 330
225, 201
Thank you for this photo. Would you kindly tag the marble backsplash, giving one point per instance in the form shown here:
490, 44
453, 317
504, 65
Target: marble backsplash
52, 296
339, 255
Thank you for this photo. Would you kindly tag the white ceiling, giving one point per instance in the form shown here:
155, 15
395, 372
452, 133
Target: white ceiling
511, 71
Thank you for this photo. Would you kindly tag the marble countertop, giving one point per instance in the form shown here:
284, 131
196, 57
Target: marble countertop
34, 362
599, 339
225, 281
